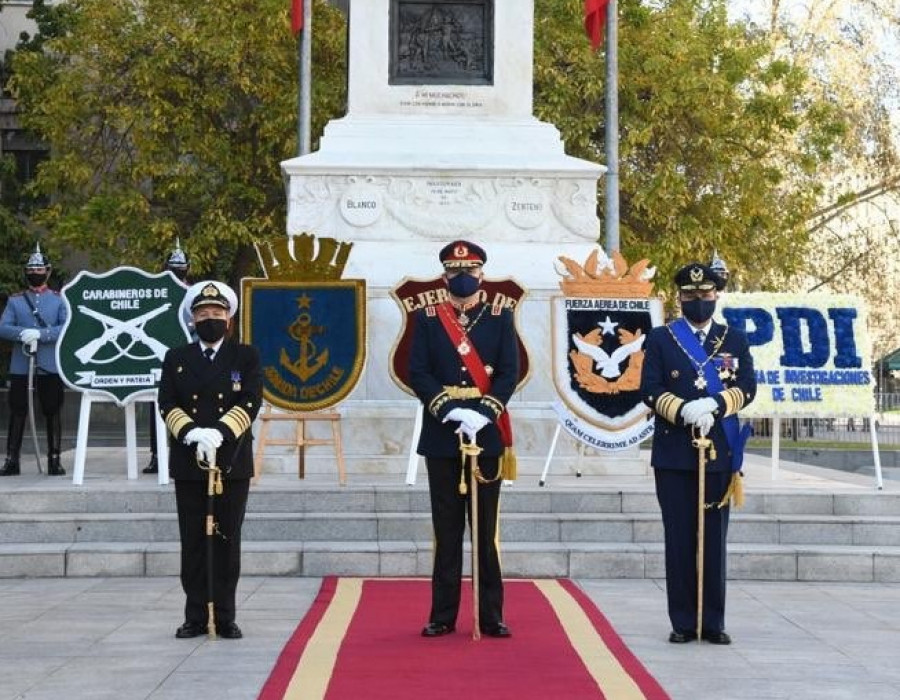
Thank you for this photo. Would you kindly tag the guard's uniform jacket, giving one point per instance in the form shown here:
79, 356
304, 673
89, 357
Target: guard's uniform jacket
440, 379
224, 394
667, 383
438, 375
17, 316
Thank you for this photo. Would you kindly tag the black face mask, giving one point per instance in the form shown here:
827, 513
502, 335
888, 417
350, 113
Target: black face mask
463, 286
211, 330
698, 310
35, 280
179, 272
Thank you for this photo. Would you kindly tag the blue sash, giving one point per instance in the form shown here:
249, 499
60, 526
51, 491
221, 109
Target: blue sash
734, 433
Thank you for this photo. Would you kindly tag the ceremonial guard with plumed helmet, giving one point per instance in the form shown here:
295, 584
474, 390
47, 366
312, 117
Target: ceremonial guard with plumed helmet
697, 375
464, 366
209, 395
32, 320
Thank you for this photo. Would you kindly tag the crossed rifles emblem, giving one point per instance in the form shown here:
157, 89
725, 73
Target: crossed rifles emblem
114, 328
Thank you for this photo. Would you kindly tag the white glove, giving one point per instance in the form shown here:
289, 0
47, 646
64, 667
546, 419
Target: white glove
457, 414
193, 436
466, 430
213, 437
474, 420
204, 454
29, 335
692, 410
705, 423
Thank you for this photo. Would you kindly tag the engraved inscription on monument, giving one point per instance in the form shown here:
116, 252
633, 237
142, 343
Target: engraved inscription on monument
442, 42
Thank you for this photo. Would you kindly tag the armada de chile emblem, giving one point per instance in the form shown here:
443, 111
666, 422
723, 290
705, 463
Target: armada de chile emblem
599, 326
120, 325
306, 322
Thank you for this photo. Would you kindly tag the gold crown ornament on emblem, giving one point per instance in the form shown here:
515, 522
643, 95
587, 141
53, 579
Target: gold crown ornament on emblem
601, 276
303, 258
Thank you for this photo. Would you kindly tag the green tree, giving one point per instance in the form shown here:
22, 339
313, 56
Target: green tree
720, 145
169, 118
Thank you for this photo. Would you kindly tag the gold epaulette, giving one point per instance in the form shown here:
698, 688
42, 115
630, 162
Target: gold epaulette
176, 421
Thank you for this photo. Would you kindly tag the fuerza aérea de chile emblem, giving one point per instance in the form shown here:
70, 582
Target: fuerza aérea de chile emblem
120, 325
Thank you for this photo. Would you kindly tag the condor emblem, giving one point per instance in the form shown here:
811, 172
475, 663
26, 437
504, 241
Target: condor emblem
599, 329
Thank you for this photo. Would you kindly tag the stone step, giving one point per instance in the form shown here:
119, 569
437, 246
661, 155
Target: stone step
300, 497
525, 559
398, 526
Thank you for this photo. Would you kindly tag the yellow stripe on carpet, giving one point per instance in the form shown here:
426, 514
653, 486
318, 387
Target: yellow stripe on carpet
310, 680
600, 662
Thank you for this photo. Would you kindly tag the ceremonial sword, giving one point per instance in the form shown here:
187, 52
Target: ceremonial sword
30, 349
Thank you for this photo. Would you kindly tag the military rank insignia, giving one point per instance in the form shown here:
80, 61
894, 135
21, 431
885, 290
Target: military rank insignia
306, 322
599, 326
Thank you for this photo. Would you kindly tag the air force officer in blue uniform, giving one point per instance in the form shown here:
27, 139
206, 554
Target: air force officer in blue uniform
697, 375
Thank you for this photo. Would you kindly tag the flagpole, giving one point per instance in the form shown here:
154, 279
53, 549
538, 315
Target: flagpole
304, 94
612, 127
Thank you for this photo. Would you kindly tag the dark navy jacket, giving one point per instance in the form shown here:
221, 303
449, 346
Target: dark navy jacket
435, 364
667, 383
224, 394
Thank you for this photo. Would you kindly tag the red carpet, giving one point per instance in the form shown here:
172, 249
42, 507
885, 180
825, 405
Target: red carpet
360, 640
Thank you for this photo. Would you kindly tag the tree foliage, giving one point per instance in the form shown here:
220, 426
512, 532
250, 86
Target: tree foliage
169, 118
719, 144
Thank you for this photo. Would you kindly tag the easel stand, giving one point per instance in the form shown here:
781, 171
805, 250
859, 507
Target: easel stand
299, 439
84, 419
580, 456
873, 434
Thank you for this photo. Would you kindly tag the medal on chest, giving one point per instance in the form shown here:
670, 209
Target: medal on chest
464, 348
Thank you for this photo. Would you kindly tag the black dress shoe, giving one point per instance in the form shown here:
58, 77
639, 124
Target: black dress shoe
716, 637
437, 629
190, 630
152, 467
682, 637
230, 630
54, 468
498, 630
10, 467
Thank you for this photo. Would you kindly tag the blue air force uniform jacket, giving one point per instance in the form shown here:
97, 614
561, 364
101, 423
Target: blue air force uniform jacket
224, 394
667, 383
438, 374
17, 316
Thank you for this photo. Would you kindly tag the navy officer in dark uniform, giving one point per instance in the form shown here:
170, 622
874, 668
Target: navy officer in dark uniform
464, 368
697, 375
209, 395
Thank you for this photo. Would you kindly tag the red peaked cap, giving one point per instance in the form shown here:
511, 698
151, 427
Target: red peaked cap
462, 254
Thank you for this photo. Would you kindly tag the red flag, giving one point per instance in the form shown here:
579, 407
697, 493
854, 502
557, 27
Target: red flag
296, 15
595, 20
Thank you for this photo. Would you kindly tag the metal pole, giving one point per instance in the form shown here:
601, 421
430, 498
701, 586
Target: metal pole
304, 94
612, 127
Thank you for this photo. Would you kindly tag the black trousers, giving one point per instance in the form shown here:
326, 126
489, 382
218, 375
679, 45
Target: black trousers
676, 491
449, 511
191, 499
49, 389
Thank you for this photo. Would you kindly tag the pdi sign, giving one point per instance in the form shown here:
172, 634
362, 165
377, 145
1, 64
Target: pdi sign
811, 352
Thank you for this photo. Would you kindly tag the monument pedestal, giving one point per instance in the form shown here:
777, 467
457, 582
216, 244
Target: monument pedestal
440, 143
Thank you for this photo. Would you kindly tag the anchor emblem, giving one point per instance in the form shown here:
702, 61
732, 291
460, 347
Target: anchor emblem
302, 330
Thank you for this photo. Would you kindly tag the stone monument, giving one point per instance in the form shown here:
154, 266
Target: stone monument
439, 142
